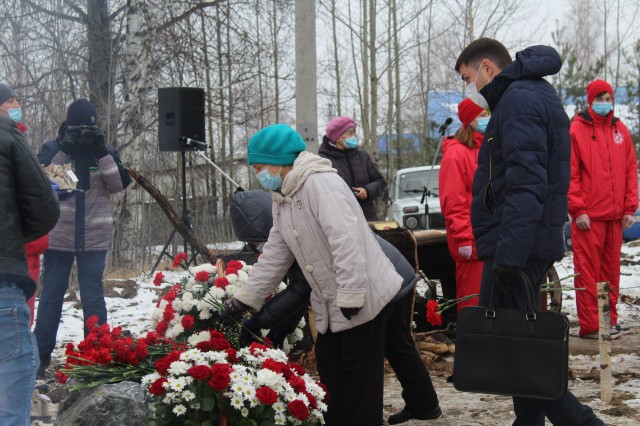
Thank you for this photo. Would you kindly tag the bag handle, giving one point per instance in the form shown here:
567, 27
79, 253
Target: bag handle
531, 315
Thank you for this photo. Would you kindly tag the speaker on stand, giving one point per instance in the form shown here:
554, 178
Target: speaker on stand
180, 126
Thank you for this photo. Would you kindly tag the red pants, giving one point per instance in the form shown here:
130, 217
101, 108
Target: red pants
596, 258
468, 277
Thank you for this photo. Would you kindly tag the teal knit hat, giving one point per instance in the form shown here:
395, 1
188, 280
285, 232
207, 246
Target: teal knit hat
278, 145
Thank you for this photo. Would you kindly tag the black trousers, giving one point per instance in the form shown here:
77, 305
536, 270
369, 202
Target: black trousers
351, 366
565, 411
400, 350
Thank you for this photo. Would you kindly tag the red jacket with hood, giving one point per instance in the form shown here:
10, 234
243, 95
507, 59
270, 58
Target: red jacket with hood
459, 163
604, 170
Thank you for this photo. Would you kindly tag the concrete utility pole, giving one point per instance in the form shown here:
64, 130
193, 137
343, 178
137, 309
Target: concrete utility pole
306, 74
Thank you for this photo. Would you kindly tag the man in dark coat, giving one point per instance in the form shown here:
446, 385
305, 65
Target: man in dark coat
520, 187
29, 210
354, 166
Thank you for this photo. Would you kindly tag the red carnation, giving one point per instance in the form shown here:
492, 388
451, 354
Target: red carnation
62, 378
234, 264
157, 280
255, 346
272, 365
92, 321
433, 316
180, 257
156, 388
296, 368
202, 276
298, 409
161, 328
169, 313
221, 282
205, 346
266, 395
163, 364
221, 376
187, 322
297, 383
200, 372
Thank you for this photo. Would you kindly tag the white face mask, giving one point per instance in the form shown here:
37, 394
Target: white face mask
475, 95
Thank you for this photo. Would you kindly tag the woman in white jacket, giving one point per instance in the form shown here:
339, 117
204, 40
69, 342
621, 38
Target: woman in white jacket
318, 222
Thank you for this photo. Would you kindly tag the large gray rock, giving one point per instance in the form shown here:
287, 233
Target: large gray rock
119, 404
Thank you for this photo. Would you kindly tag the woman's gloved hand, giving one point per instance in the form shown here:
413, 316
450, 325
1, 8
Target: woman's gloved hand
233, 310
349, 312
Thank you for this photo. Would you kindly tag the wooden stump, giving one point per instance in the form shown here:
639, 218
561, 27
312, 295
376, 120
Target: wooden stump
604, 342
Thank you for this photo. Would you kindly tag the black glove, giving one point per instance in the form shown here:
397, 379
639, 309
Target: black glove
349, 312
68, 141
250, 329
233, 310
94, 138
504, 277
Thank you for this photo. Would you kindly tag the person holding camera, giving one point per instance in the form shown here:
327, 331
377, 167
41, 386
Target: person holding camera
355, 167
85, 228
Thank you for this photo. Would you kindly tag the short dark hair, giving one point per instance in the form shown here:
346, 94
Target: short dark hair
484, 48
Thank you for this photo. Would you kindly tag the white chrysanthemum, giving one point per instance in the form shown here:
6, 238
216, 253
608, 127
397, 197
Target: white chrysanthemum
302, 323
177, 305
176, 383
149, 379
170, 397
179, 410
297, 335
286, 347
188, 395
196, 338
238, 389
232, 278
189, 355
244, 411
280, 420
236, 402
279, 407
179, 367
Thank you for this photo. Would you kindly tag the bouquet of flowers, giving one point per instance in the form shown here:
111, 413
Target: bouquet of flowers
196, 302
214, 382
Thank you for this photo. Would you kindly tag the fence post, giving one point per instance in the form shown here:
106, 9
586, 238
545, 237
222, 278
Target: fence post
604, 342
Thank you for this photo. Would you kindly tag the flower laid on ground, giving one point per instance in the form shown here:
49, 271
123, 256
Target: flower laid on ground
435, 308
255, 385
124, 357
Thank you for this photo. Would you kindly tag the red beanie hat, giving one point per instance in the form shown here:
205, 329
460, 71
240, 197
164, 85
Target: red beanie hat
468, 111
337, 126
596, 87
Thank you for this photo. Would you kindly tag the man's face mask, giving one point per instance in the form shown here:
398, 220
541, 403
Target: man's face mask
474, 94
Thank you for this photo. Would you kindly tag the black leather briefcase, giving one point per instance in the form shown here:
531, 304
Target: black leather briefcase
512, 352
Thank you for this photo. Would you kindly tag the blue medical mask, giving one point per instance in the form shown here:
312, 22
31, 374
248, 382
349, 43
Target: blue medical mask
482, 124
268, 182
351, 142
15, 114
602, 108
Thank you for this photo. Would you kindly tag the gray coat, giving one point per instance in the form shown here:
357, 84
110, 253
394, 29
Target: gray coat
319, 223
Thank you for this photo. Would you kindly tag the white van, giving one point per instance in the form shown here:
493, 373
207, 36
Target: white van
406, 193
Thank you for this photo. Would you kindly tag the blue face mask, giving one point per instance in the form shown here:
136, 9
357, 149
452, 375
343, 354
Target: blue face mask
15, 114
268, 182
602, 108
351, 142
482, 124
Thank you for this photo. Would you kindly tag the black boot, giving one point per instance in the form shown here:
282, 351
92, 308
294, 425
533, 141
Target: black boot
44, 364
405, 415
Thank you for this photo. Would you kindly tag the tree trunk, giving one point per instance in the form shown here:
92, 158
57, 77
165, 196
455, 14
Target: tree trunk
335, 57
373, 73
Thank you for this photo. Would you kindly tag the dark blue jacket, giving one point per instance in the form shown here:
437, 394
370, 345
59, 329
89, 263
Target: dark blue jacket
525, 158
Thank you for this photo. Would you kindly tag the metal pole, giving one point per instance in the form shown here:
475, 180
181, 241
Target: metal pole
306, 73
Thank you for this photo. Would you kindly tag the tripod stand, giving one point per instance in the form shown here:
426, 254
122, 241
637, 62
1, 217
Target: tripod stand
185, 217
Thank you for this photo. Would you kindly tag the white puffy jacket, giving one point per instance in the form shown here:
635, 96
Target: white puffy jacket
318, 222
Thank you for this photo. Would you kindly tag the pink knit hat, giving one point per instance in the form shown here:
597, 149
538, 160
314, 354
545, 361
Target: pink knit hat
337, 126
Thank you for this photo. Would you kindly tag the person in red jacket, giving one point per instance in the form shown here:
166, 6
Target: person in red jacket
10, 107
603, 195
459, 163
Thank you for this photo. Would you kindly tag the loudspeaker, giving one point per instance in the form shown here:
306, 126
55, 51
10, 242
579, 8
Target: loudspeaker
180, 113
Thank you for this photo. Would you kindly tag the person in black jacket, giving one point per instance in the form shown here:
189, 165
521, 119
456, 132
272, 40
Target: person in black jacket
354, 166
251, 219
520, 188
29, 209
